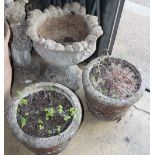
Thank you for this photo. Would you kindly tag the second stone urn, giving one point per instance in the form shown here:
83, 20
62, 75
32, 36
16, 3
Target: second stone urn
64, 38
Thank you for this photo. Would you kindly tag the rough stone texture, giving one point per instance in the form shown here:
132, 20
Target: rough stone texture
7, 3
129, 136
133, 38
71, 75
52, 144
62, 42
21, 44
105, 107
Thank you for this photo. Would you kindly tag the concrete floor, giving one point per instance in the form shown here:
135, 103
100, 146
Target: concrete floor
133, 38
129, 136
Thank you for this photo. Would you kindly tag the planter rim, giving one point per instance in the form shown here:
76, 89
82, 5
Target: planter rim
103, 99
36, 17
46, 142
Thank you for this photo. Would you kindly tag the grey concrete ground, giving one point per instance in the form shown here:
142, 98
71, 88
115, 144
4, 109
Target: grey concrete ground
133, 38
129, 136
142, 2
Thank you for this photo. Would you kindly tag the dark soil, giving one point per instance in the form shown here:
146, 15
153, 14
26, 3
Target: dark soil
34, 114
115, 78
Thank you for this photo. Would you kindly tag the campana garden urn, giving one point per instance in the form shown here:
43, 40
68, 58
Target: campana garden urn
64, 38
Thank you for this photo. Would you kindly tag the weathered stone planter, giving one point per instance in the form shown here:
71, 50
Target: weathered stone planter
105, 107
64, 38
49, 145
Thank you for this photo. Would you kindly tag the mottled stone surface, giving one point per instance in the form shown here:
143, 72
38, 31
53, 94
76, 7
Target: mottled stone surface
53, 144
64, 43
7, 3
129, 136
105, 107
71, 76
21, 44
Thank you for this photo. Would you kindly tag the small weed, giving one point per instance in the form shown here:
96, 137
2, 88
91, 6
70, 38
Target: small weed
23, 121
66, 117
49, 112
40, 121
72, 111
58, 128
41, 126
60, 109
23, 102
49, 132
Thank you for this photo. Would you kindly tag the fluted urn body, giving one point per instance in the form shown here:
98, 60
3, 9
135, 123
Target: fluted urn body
64, 38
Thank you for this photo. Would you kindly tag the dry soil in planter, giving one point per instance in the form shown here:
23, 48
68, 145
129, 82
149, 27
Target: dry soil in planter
44, 114
114, 78
111, 86
66, 29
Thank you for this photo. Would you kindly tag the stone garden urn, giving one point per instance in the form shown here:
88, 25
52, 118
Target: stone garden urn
64, 38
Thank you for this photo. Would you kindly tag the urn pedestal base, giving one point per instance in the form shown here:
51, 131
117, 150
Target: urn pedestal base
68, 76
64, 37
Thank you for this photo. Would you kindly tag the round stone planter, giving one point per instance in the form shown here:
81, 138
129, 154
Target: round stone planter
51, 145
64, 38
105, 107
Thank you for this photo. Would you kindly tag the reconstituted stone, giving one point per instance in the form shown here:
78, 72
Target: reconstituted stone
129, 136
